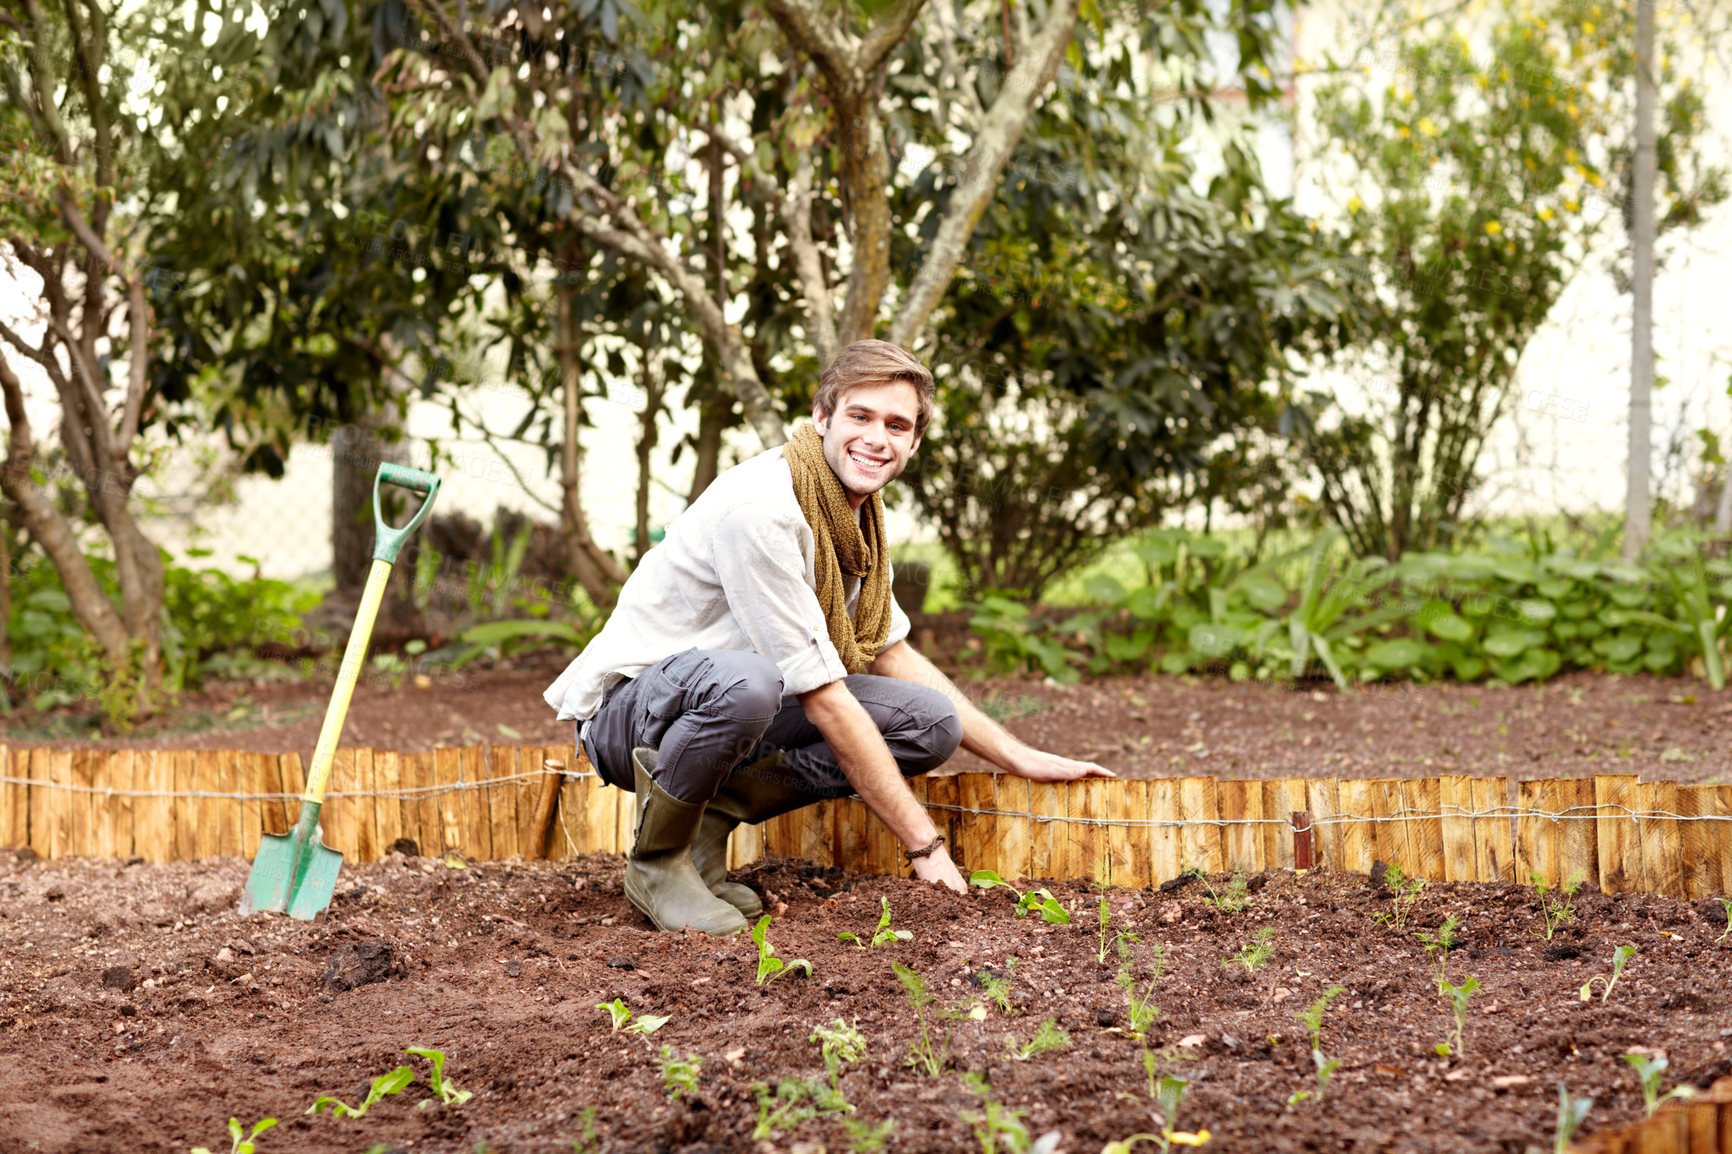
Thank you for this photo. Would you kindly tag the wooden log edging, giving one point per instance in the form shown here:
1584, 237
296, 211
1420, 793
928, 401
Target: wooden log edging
1698, 1125
483, 802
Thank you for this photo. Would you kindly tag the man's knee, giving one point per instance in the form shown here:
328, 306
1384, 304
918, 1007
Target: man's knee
748, 687
937, 735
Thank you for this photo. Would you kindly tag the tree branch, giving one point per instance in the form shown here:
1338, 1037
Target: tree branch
139, 357
808, 267
982, 167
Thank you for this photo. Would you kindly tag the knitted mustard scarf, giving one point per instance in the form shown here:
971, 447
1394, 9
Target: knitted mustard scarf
843, 546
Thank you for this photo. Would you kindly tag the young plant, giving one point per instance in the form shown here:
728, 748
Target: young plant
679, 1075
792, 1102
1572, 1112
1726, 909
997, 987
242, 1142
390, 1082
996, 1127
617, 1011
770, 966
923, 1054
839, 1043
1650, 1070
1620, 958
1458, 996
1404, 892
1256, 952
1170, 1095
1048, 1039
620, 1014
1312, 1016
1233, 899
1039, 900
1439, 944
447, 1092
1555, 908
864, 1137
588, 1140
884, 935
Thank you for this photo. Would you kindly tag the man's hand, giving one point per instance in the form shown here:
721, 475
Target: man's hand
1038, 765
937, 868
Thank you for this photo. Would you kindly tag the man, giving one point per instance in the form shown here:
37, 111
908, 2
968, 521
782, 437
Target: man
756, 661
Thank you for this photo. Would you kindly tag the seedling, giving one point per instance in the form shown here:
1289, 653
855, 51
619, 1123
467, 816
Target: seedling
770, 966
864, 1136
1725, 908
1555, 909
1233, 899
242, 1143
923, 1055
1620, 958
1572, 1112
1048, 1039
1650, 1070
1458, 996
792, 1102
1039, 900
839, 1043
997, 987
884, 935
1405, 895
679, 1075
1312, 1016
390, 1082
996, 1127
620, 1014
447, 1093
1170, 1095
1256, 952
589, 1138
1439, 944
1141, 1007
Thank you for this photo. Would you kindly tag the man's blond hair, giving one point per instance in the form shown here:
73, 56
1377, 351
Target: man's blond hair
875, 363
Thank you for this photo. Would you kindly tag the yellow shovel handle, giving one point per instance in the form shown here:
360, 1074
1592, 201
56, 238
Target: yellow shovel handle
353, 654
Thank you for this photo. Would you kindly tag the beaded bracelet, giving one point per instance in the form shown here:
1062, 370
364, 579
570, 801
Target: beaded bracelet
926, 850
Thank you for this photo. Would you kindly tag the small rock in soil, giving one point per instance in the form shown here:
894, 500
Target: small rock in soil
621, 964
358, 963
1105, 1017
119, 977
1562, 952
214, 894
407, 846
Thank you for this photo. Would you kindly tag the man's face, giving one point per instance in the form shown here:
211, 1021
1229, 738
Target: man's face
870, 437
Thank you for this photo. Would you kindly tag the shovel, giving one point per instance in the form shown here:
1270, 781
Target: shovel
295, 873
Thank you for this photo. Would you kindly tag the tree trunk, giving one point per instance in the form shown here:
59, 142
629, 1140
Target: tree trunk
653, 387
356, 452
595, 568
1638, 504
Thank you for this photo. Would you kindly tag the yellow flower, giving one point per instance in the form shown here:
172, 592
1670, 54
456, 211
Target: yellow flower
1596, 180
1354, 205
1529, 161
1587, 28
1546, 214
1404, 133
1185, 1138
1572, 206
1572, 109
1427, 127
1492, 228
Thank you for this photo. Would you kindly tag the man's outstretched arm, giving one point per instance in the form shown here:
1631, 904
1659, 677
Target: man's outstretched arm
981, 735
867, 764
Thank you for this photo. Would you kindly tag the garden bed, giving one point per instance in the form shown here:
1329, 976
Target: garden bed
501, 966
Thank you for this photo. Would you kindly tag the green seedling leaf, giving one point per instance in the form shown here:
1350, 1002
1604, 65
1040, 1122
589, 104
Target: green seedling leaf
1572, 1112
446, 1092
679, 1075
769, 965
390, 1082
242, 1141
649, 1023
616, 1010
1620, 958
1651, 1069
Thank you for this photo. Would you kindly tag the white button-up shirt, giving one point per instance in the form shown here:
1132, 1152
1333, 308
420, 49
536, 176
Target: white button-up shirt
735, 571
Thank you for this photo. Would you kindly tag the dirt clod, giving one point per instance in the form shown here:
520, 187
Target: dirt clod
119, 978
358, 963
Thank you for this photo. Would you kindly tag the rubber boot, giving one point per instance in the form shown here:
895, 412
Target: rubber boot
744, 797
660, 879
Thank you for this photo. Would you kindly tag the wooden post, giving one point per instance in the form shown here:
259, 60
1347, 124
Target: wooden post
552, 774
1301, 839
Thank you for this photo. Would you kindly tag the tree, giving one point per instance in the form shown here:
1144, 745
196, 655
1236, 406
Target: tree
68, 231
1479, 188
1638, 506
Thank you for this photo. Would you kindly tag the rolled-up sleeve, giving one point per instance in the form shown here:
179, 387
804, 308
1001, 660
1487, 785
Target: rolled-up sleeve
762, 571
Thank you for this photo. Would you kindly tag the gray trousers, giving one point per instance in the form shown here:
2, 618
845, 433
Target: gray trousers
710, 712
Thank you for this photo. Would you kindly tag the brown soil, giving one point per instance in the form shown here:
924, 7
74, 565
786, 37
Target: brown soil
1146, 726
139, 1012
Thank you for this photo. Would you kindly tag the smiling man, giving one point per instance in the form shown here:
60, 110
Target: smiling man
756, 661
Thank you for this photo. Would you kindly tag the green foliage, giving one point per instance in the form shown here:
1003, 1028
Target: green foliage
619, 1014
927, 1053
1232, 899
1323, 1067
1139, 1004
588, 1140
792, 1102
1040, 900
1572, 1112
884, 935
1404, 894
1507, 614
997, 986
242, 1141
864, 1136
1555, 908
446, 1092
770, 967
996, 1127
1438, 945
1048, 1039
839, 1043
390, 1082
679, 1075
1726, 911
1620, 958
1257, 952
1458, 996
1650, 1069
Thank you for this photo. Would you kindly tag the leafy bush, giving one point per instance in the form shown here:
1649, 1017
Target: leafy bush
1501, 613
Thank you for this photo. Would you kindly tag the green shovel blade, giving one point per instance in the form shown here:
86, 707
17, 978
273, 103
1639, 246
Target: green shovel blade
295, 873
